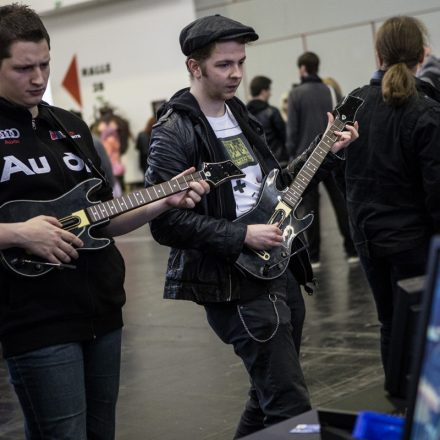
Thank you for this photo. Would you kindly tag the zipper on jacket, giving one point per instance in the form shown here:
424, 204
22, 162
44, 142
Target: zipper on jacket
212, 153
229, 298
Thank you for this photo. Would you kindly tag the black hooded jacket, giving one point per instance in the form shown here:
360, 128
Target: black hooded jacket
205, 241
273, 125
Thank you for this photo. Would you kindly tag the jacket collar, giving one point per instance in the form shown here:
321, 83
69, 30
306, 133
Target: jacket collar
376, 79
422, 86
13, 110
311, 78
257, 105
19, 112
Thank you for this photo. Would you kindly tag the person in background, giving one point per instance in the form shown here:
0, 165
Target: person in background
308, 104
106, 165
284, 106
335, 90
391, 175
143, 143
60, 331
429, 70
114, 133
269, 116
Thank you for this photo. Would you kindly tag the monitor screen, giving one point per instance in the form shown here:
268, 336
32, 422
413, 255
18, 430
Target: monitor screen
423, 419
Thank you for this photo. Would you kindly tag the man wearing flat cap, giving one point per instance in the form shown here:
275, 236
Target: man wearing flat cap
207, 123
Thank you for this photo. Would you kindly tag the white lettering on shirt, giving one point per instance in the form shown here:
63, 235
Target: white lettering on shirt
38, 165
74, 162
13, 165
44, 168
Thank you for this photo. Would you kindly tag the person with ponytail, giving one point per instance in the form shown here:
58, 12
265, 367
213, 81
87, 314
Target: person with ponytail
391, 175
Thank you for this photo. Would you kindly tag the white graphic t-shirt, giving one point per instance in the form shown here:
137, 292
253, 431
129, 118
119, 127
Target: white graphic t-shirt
239, 151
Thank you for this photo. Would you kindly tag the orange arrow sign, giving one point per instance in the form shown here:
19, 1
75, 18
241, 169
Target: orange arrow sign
71, 81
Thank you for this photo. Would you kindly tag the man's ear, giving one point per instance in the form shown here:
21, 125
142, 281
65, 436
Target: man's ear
194, 68
302, 70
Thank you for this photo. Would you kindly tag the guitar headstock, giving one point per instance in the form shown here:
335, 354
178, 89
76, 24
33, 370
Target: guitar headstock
219, 172
346, 111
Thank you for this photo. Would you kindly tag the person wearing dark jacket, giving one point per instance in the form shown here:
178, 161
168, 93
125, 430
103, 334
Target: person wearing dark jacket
269, 116
391, 175
261, 319
60, 331
429, 71
308, 104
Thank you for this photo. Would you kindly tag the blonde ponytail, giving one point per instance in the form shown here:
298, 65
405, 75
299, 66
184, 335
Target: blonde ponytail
398, 85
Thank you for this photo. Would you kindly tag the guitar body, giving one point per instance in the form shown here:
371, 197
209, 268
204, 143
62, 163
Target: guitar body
268, 265
278, 207
21, 210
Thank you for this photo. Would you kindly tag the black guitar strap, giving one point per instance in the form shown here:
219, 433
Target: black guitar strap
96, 169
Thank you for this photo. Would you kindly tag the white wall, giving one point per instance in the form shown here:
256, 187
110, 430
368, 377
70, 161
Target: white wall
140, 41
339, 31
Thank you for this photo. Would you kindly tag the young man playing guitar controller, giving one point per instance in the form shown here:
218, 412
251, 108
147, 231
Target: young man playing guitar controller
262, 319
60, 332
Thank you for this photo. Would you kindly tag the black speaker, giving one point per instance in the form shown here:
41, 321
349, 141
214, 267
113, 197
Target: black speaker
401, 351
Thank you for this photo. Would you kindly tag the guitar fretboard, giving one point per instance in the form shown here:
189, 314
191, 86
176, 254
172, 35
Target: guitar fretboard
127, 202
308, 170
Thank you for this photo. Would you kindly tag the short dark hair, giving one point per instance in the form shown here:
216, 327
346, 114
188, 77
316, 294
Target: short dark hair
19, 23
258, 84
202, 54
205, 52
310, 61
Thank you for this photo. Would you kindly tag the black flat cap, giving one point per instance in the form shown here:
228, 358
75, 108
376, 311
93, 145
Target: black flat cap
206, 30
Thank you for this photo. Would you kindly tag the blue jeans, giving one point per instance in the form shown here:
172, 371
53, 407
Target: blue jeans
266, 333
69, 391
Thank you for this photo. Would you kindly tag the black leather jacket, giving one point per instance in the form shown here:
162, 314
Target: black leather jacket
205, 241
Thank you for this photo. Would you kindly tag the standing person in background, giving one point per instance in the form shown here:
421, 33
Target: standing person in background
106, 164
143, 143
284, 106
114, 133
269, 116
309, 103
60, 331
430, 69
335, 90
261, 319
391, 175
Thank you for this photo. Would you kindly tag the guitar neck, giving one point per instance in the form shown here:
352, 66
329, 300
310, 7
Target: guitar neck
112, 208
308, 170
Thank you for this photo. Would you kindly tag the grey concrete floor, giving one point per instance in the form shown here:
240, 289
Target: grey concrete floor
179, 381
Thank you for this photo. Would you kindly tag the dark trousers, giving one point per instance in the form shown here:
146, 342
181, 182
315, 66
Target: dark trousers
266, 333
310, 203
383, 273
